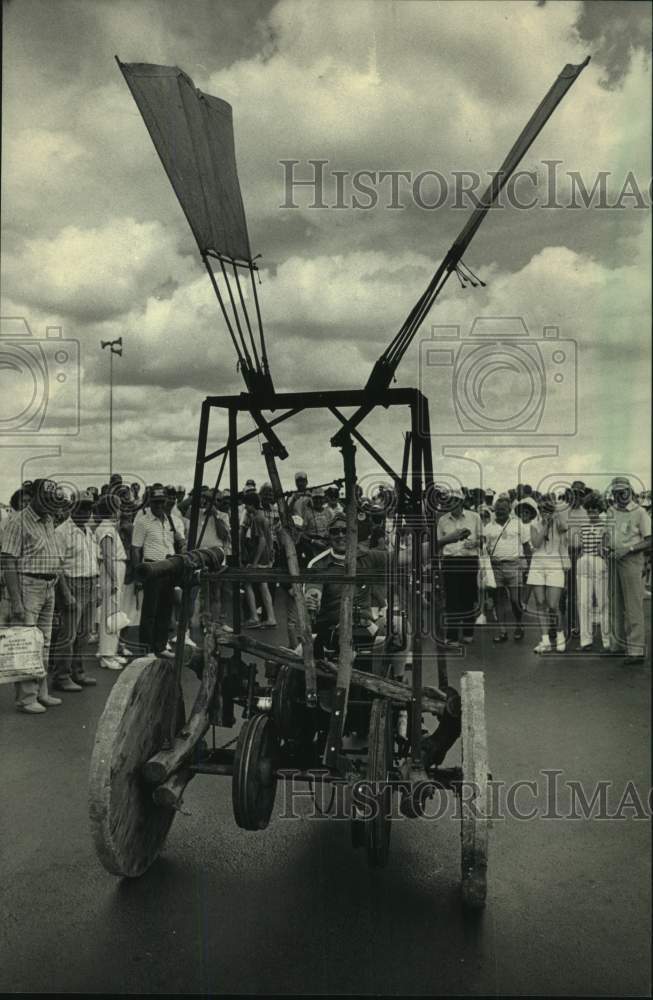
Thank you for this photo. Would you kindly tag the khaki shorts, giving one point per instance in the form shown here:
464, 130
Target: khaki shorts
507, 573
546, 576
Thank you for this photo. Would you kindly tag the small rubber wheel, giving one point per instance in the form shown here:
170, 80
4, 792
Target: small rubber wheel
254, 781
379, 767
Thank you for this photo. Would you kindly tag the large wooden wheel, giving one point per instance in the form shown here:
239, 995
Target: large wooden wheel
379, 767
128, 828
254, 781
474, 829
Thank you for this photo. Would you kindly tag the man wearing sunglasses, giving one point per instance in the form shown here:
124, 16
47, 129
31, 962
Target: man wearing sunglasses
323, 599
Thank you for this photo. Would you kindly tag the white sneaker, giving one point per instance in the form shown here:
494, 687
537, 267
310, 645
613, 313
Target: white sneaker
543, 646
108, 663
561, 642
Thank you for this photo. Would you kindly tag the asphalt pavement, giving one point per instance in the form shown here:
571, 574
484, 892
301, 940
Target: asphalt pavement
295, 910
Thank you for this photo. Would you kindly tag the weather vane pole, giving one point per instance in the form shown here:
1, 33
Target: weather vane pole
115, 347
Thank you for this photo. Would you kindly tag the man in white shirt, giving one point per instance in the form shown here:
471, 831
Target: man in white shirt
77, 596
153, 539
459, 540
504, 544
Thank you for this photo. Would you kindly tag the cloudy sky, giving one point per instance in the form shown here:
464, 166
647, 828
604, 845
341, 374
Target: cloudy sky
94, 241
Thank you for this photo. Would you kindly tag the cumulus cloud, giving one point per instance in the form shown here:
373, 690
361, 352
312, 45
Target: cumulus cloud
95, 241
92, 274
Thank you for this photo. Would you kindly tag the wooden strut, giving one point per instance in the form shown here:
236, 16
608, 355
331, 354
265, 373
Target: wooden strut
433, 701
346, 621
285, 537
159, 767
171, 792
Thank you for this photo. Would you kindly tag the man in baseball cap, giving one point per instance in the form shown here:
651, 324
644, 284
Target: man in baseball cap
629, 528
77, 597
459, 539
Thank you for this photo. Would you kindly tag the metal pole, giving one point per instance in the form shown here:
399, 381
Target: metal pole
110, 413
416, 590
235, 526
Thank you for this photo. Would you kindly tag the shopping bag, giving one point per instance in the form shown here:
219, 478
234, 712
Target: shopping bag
116, 621
486, 573
21, 653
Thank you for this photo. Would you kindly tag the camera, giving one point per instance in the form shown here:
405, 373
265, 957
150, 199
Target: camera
498, 380
39, 380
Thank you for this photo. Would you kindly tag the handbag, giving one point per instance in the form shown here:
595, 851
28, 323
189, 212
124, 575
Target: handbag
21, 653
116, 621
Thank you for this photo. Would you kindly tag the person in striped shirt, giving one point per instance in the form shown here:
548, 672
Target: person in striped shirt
592, 573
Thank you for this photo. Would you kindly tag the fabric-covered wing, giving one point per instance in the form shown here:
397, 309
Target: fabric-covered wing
194, 137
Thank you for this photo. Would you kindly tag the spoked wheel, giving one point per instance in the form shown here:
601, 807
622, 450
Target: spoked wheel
254, 782
474, 829
128, 828
379, 767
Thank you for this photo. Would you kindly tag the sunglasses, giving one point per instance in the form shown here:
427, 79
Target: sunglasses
338, 531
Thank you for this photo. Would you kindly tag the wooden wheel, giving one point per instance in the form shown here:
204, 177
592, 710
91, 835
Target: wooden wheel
128, 828
254, 782
379, 766
474, 828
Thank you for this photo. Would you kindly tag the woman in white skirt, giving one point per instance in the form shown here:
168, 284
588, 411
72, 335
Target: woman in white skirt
546, 574
113, 562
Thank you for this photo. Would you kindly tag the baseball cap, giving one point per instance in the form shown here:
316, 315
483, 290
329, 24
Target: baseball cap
339, 521
158, 493
620, 483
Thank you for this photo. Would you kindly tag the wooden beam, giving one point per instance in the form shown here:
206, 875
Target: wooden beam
286, 539
346, 620
159, 767
433, 700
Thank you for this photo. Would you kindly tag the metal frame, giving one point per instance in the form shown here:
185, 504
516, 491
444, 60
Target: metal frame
413, 483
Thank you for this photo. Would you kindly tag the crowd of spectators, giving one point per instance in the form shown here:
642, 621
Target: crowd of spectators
70, 562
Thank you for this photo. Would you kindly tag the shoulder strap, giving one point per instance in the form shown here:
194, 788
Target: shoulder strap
498, 538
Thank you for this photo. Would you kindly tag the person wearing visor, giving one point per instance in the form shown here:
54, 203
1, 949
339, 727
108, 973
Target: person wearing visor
31, 562
629, 533
546, 574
